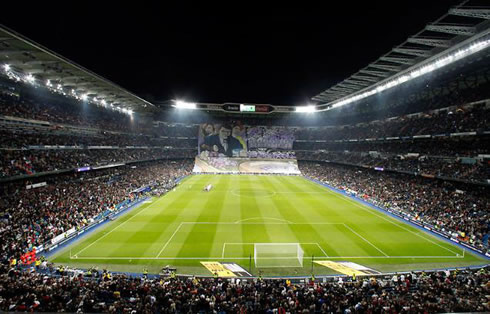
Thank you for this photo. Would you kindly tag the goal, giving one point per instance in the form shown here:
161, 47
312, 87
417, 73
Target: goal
278, 255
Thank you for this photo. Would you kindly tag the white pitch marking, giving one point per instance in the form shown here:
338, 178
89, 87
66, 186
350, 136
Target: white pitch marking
360, 236
372, 211
105, 235
251, 243
238, 194
173, 234
324, 253
257, 218
246, 258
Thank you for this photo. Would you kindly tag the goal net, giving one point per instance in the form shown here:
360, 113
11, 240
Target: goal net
278, 255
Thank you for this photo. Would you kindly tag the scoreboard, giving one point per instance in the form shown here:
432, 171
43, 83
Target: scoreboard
244, 108
247, 108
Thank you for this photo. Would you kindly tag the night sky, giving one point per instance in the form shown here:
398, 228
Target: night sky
260, 55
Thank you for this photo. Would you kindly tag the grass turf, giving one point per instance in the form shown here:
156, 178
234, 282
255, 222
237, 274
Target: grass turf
187, 226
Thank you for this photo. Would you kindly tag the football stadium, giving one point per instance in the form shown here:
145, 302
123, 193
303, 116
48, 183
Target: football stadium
371, 196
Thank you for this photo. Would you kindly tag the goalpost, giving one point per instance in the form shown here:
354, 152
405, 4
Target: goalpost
278, 255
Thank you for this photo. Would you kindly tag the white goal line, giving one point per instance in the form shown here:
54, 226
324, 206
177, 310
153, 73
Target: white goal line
278, 243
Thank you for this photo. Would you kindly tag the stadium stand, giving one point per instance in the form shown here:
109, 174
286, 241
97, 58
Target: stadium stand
32, 217
414, 292
454, 209
66, 166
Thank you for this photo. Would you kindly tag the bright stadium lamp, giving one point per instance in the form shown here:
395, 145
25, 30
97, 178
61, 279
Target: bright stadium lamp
84, 97
309, 108
179, 104
30, 78
427, 67
6, 67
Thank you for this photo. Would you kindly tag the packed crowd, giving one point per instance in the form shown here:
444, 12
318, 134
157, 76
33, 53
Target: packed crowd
28, 162
31, 217
472, 119
22, 162
435, 292
467, 169
466, 146
16, 138
65, 111
455, 209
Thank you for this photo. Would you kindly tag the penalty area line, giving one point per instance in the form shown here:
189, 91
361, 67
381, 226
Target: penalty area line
171, 237
124, 222
360, 236
391, 220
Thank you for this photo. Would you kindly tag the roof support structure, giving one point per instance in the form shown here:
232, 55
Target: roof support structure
346, 85
366, 78
452, 29
419, 50
386, 67
400, 60
471, 12
413, 52
428, 41
358, 83
375, 73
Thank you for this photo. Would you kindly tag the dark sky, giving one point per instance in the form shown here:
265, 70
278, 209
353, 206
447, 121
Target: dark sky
262, 55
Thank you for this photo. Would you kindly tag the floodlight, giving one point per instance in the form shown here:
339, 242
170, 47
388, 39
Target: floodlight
309, 108
84, 97
418, 71
30, 78
6, 67
179, 104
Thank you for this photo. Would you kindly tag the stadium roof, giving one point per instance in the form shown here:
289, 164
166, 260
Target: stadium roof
26, 58
461, 26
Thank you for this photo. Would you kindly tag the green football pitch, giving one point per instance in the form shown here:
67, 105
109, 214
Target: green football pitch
271, 224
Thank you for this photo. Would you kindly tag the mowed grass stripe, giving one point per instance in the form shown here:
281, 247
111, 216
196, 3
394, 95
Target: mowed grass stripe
387, 234
256, 233
263, 216
188, 207
122, 242
79, 248
305, 233
229, 212
197, 240
343, 241
396, 235
327, 235
278, 233
148, 233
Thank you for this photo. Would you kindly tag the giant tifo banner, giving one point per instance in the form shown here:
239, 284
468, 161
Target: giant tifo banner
245, 165
237, 148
